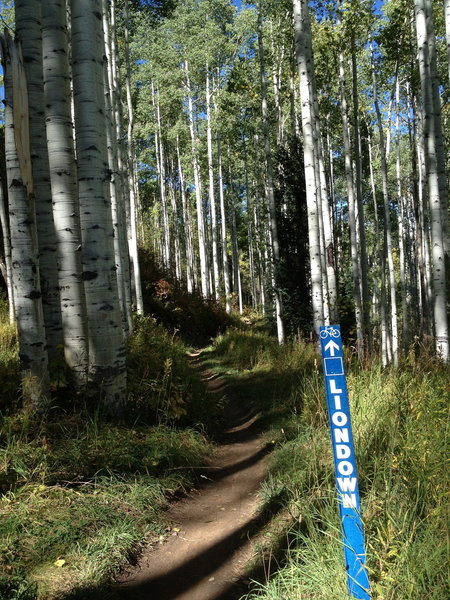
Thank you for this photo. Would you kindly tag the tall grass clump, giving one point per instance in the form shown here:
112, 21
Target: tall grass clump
401, 424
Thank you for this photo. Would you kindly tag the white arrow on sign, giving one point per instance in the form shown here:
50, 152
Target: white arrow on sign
331, 346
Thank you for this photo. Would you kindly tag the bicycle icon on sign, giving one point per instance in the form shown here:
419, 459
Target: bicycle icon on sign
329, 331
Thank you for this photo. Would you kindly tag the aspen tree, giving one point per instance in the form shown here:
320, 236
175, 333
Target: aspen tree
447, 31
204, 271
6, 239
388, 244
435, 169
269, 185
223, 231
63, 179
212, 197
304, 60
131, 169
106, 341
189, 244
24, 245
116, 191
359, 202
28, 18
161, 169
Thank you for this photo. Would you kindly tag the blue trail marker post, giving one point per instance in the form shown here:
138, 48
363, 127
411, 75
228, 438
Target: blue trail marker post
344, 461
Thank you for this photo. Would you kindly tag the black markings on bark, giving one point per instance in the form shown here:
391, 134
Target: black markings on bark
107, 307
34, 295
89, 275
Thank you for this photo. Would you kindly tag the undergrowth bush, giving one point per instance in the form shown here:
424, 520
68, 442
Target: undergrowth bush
187, 314
163, 387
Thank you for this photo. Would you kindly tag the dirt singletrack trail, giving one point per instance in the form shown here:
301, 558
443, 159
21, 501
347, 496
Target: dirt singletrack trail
213, 528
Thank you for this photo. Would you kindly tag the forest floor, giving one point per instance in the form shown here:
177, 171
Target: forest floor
213, 536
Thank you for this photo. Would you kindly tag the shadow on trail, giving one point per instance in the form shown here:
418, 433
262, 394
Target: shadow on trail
251, 394
169, 585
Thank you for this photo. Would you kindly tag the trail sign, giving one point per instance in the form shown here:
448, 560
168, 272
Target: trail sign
344, 461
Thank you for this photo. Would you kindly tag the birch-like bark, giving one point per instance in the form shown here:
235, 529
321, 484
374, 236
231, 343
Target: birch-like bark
269, 186
212, 196
424, 287
6, 238
24, 246
127, 222
116, 190
377, 309
360, 224
132, 180
435, 168
161, 168
250, 233
204, 271
323, 278
223, 230
237, 288
190, 263
28, 17
350, 180
176, 225
417, 293
387, 222
328, 236
276, 83
447, 31
106, 342
63, 179
402, 221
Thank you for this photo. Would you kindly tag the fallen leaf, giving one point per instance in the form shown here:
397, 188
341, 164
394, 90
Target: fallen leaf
60, 562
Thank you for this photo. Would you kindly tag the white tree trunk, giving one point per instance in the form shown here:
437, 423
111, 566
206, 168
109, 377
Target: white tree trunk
270, 196
237, 288
387, 223
161, 168
204, 274
29, 32
377, 278
350, 180
212, 197
176, 228
447, 32
403, 234
223, 229
303, 54
106, 341
435, 167
190, 263
24, 247
132, 182
63, 178
360, 220
116, 189
6, 238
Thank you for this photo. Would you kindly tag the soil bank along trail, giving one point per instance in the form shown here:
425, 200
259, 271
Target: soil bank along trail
212, 528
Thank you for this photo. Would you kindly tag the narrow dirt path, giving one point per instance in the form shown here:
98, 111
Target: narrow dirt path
213, 527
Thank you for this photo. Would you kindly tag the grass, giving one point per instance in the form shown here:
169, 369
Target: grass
400, 421
79, 492
93, 524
